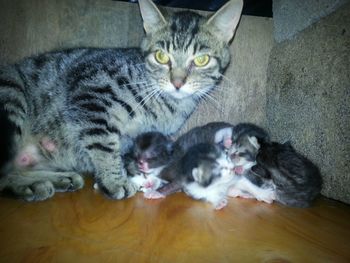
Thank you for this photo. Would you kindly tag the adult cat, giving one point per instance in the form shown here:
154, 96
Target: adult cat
91, 102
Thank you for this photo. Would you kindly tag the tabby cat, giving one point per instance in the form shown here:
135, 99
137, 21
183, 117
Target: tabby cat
92, 102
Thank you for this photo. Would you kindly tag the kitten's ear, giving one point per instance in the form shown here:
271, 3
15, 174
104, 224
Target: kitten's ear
222, 135
152, 17
226, 19
169, 147
196, 174
254, 141
288, 144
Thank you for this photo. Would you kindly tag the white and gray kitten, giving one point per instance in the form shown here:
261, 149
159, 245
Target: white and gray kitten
204, 172
246, 183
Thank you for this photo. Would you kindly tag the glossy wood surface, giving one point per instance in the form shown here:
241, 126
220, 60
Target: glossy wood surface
86, 227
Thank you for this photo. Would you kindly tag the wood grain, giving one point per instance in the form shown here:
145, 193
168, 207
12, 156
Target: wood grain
87, 227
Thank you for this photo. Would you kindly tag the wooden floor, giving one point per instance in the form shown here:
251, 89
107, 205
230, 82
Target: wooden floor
86, 227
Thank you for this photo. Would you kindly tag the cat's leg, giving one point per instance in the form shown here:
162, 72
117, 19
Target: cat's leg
109, 171
40, 185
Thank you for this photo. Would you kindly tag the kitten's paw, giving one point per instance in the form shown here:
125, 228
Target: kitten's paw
119, 190
153, 195
37, 191
149, 184
221, 204
267, 197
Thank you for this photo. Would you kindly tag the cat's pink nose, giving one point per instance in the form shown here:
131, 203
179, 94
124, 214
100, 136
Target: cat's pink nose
178, 83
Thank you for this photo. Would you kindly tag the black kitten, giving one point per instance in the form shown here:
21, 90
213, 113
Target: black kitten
296, 179
151, 152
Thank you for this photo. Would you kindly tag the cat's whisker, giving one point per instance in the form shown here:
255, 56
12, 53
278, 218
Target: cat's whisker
145, 88
207, 97
149, 96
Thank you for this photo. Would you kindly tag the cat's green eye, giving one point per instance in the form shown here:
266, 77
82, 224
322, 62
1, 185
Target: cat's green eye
201, 61
161, 57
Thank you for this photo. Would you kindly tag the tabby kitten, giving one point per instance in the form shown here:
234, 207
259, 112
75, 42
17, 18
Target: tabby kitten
92, 102
297, 181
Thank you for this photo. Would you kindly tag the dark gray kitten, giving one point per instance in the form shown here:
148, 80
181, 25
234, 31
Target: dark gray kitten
151, 152
296, 179
93, 102
213, 132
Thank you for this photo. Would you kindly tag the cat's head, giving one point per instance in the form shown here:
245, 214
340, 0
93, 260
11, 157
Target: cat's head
187, 53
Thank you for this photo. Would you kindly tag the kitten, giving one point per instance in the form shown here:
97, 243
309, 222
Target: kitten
204, 173
213, 132
151, 152
297, 181
219, 133
92, 102
246, 183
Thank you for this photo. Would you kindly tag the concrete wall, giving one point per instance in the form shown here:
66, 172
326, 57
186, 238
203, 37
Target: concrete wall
308, 96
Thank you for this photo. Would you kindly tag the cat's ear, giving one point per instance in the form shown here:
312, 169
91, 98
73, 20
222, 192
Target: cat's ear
226, 19
254, 141
152, 17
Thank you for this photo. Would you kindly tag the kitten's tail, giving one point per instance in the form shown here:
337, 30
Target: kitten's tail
6, 141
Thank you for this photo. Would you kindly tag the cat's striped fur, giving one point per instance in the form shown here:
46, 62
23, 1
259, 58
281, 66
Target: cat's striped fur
93, 102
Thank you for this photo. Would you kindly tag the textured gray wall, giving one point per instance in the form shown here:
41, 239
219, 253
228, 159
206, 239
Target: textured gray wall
292, 16
308, 97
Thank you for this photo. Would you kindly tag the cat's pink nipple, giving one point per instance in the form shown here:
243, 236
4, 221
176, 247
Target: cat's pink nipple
48, 145
24, 160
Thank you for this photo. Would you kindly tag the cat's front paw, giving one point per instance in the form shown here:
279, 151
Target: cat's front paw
119, 190
69, 181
